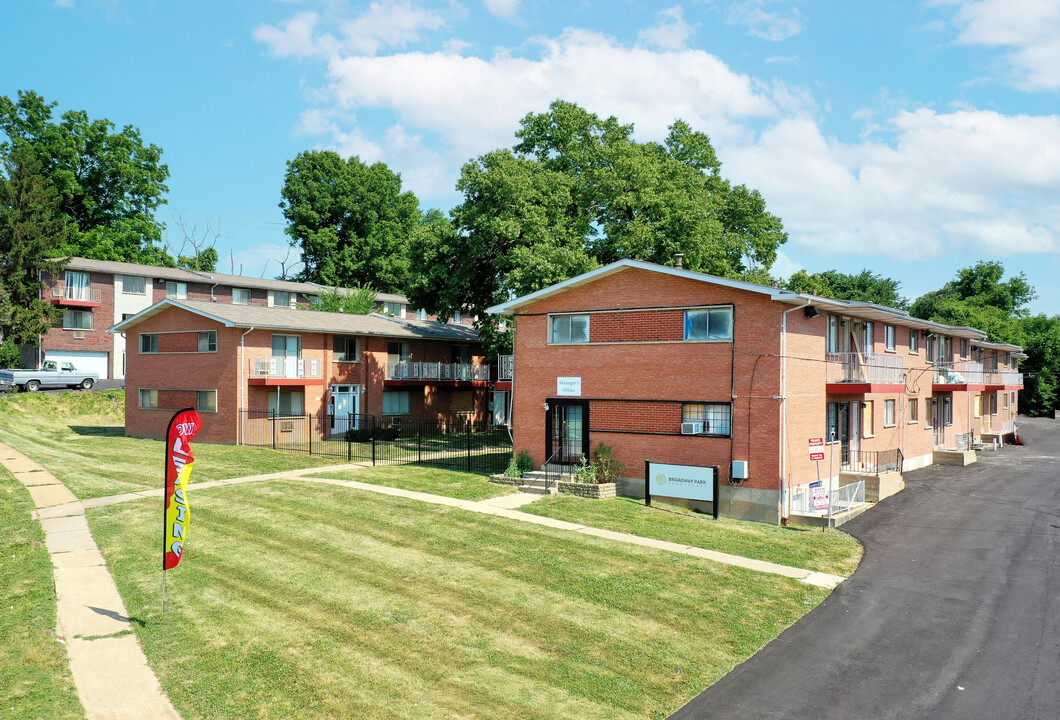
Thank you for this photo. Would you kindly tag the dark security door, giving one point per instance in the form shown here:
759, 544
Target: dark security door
567, 431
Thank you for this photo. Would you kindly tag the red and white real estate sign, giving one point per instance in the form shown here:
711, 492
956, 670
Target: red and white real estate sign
816, 443
817, 456
820, 498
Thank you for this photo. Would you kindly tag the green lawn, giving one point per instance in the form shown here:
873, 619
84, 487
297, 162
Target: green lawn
459, 485
830, 551
319, 601
79, 437
35, 680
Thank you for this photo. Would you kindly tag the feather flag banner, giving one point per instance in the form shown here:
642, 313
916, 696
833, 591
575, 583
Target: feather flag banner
179, 463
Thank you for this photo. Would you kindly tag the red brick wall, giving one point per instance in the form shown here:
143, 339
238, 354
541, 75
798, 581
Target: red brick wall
650, 326
97, 339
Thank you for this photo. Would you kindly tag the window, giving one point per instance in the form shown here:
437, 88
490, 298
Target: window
287, 402
177, 290
1004, 397
947, 410
888, 337
397, 352
148, 399
888, 413
345, 348
569, 329
240, 296
77, 286
832, 339
927, 413
1013, 397
868, 337
421, 314
712, 324
964, 348
279, 298
458, 317
396, 402
913, 409
460, 354
977, 406
77, 319
131, 285
208, 341
148, 343
393, 308
716, 417
206, 400
868, 426
914, 338
929, 349
993, 403
831, 430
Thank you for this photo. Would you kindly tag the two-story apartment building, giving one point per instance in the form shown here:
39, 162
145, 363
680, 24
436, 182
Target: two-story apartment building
234, 362
95, 294
678, 367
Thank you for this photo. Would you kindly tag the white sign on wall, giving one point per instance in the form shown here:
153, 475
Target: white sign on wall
569, 386
690, 482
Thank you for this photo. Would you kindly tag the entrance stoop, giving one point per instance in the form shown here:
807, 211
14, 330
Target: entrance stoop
953, 457
877, 486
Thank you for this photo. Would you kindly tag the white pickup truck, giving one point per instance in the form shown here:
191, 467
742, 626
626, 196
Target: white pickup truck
50, 374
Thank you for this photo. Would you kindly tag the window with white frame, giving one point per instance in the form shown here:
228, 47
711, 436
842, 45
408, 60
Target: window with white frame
148, 399
78, 286
913, 410
888, 413
709, 324
241, 296
716, 417
396, 402
208, 341
832, 338
947, 410
177, 290
421, 314
888, 337
206, 400
568, 329
868, 337
77, 319
1004, 399
345, 348
287, 402
148, 342
395, 309
132, 285
914, 340
280, 298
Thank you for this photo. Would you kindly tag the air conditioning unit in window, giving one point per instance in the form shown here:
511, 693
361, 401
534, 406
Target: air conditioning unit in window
692, 428
79, 334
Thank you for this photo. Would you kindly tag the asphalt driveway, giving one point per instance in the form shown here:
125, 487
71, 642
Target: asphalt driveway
953, 613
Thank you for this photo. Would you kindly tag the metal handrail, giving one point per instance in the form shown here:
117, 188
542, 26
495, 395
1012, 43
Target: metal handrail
551, 469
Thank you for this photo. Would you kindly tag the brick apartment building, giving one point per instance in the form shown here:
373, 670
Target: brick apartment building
673, 366
223, 359
95, 294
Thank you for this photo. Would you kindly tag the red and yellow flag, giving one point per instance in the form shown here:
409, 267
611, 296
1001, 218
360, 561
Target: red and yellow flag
179, 462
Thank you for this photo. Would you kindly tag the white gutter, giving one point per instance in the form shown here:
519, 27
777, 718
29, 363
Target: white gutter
240, 409
784, 409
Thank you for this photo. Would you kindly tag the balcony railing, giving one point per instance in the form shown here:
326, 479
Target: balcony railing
441, 372
505, 367
76, 294
1010, 378
865, 368
967, 372
285, 368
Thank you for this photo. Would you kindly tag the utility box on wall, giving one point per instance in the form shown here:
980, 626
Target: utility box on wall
739, 469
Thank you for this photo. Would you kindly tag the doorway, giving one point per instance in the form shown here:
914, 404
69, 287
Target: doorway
345, 408
567, 431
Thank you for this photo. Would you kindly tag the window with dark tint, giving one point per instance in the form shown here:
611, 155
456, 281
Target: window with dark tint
711, 324
345, 347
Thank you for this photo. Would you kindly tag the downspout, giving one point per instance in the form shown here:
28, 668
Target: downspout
241, 409
784, 411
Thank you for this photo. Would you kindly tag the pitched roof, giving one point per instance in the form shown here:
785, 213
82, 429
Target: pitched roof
853, 308
284, 318
209, 278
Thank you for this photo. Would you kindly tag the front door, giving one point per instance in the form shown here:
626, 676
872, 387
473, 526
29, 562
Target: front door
938, 422
567, 430
286, 352
855, 433
346, 401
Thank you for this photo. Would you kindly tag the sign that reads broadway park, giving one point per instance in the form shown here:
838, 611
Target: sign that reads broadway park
688, 482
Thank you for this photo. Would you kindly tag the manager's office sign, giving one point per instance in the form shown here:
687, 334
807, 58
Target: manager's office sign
688, 482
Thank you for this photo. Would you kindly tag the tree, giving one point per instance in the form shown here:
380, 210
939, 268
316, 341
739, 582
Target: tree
108, 183
350, 220
360, 302
31, 231
203, 242
866, 286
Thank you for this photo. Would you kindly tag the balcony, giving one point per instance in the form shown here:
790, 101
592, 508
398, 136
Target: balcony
861, 373
284, 371
505, 367
76, 296
423, 372
965, 375
1003, 379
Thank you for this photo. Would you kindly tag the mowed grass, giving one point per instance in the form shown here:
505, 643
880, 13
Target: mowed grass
830, 551
80, 438
298, 600
436, 481
35, 680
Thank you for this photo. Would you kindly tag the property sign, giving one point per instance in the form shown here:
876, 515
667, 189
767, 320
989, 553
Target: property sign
819, 498
179, 462
568, 386
690, 482
816, 442
817, 456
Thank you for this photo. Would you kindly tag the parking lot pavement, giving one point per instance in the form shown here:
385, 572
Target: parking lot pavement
953, 613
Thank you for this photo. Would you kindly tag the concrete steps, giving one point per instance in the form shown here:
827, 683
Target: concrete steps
534, 482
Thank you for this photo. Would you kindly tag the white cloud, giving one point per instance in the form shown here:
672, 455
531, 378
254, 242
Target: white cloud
782, 59
505, 9
1030, 29
295, 37
671, 32
763, 22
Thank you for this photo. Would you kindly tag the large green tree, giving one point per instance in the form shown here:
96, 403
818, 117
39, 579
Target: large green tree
578, 191
351, 221
31, 229
108, 183
866, 286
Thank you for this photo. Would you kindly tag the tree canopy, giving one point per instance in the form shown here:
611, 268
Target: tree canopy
360, 302
866, 286
108, 183
577, 191
351, 221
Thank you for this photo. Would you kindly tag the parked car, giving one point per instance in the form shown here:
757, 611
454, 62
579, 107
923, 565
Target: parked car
51, 374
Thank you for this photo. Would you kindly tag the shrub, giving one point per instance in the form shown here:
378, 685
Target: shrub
586, 472
524, 462
10, 357
605, 468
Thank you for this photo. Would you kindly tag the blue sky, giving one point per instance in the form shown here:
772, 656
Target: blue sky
911, 138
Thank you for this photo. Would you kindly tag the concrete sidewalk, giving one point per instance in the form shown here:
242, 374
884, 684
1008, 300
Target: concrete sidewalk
109, 668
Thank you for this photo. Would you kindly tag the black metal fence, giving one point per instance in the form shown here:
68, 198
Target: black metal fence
875, 462
454, 443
